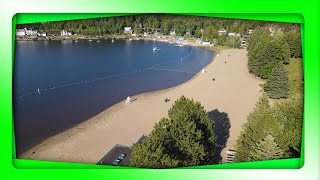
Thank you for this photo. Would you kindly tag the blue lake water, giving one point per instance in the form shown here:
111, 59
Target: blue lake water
58, 84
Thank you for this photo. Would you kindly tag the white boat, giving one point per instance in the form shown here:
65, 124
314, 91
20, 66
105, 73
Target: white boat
112, 40
130, 39
179, 45
155, 48
38, 91
98, 41
90, 40
76, 41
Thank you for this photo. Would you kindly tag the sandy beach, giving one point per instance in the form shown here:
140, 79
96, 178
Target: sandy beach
233, 93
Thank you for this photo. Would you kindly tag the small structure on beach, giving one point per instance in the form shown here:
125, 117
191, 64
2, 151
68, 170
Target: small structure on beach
230, 155
203, 71
119, 155
128, 101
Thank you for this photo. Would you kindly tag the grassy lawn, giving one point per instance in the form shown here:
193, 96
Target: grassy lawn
295, 69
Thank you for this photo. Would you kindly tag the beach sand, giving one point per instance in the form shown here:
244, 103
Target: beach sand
230, 97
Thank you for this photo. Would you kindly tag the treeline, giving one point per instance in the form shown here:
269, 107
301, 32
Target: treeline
197, 27
271, 132
268, 53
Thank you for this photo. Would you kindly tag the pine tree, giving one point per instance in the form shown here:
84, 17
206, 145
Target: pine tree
260, 123
186, 138
277, 86
266, 149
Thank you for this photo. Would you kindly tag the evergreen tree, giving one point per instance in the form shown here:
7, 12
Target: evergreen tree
294, 41
277, 86
186, 138
259, 124
266, 149
283, 122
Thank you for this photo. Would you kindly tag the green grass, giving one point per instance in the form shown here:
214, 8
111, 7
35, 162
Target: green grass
295, 69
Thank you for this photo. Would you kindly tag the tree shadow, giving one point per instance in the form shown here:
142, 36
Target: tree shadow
222, 130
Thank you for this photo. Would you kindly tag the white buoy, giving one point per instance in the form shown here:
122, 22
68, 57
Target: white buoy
38, 91
128, 101
203, 71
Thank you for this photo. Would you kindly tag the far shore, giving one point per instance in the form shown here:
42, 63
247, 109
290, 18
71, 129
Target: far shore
226, 90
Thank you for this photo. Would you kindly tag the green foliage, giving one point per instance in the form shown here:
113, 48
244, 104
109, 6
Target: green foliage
266, 149
265, 52
150, 22
294, 41
271, 132
295, 69
278, 86
186, 138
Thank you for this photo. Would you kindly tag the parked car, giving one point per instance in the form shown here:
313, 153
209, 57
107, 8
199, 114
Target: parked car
116, 162
121, 156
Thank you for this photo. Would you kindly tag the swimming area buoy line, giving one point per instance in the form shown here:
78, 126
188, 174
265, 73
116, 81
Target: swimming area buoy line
104, 77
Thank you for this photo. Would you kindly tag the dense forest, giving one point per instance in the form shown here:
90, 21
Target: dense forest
189, 26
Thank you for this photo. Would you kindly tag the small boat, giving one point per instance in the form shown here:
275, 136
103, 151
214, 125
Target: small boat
155, 48
179, 45
38, 91
112, 40
98, 41
90, 40
130, 39
76, 41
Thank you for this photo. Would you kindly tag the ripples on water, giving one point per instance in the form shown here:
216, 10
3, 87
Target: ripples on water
58, 84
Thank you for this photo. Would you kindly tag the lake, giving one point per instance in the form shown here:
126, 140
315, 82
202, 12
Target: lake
59, 84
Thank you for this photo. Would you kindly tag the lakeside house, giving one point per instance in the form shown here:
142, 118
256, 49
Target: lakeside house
179, 38
20, 32
42, 34
222, 31
172, 32
119, 155
30, 32
250, 31
234, 34
156, 31
127, 30
65, 33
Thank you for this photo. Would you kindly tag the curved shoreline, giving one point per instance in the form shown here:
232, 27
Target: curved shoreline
87, 142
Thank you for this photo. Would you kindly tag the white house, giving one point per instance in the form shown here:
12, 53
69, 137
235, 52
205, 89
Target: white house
172, 32
222, 31
42, 34
127, 30
20, 32
30, 32
231, 34
249, 31
65, 33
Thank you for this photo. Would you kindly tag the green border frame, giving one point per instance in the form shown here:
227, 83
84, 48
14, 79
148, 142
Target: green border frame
293, 163
305, 12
